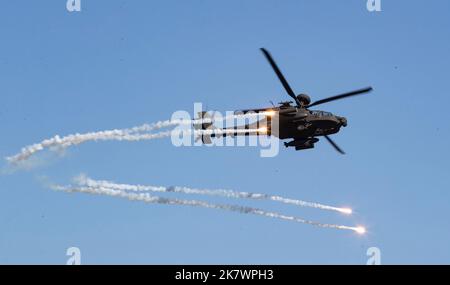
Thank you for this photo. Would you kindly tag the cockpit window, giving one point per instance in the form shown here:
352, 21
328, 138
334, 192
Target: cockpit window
321, 114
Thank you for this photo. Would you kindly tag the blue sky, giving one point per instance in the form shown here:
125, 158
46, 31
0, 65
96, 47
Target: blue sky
118, 64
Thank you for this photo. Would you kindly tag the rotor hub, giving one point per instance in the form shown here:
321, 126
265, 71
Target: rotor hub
304, 99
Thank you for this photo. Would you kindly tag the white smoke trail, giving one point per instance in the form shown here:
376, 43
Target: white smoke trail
146, 197
129, 134
83, 180
120, 135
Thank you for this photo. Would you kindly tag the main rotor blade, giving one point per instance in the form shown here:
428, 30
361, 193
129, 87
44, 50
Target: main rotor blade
348, 94
334, 145
279, 74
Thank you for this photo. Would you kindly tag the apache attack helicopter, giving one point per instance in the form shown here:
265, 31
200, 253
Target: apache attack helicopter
296, 122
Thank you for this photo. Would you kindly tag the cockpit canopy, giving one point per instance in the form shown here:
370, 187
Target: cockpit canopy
321, 114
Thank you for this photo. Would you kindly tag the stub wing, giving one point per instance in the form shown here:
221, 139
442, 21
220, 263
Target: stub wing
261, 110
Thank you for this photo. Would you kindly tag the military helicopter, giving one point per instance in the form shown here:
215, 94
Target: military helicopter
296, 122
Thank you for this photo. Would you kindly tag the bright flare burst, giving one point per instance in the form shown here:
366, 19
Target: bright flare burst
360, 230
347, 211
262, 130
270, 113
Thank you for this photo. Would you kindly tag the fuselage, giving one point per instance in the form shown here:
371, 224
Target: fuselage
290, 122
300, 123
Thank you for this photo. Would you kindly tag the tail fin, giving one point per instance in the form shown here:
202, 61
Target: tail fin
206, 139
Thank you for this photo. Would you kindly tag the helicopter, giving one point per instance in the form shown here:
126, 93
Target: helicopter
296, 121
